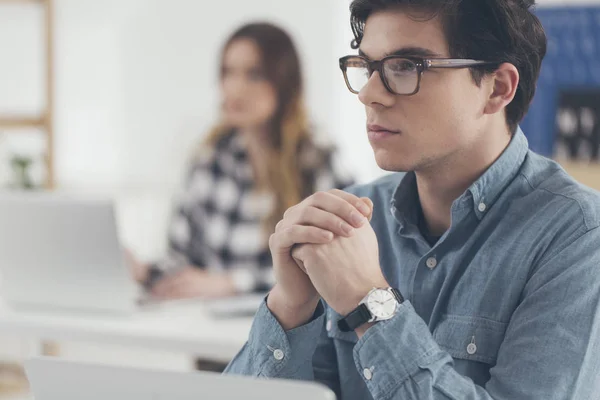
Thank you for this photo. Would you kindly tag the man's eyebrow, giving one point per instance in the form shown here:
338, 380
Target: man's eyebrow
408, 52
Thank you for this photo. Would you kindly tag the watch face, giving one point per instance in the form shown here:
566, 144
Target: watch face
382, 304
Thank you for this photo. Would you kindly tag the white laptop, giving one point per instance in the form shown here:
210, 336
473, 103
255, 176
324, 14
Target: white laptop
55, 379
62, 251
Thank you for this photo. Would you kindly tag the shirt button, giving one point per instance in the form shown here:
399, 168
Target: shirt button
367, 374
482, 207
431, 263
278, 354
328, 325
472, 348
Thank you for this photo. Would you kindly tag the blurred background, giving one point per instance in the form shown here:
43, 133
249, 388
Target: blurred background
135, 83
109, 97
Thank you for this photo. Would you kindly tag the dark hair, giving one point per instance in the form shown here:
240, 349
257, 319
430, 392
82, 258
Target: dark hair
281, 65
289, 127
500, 31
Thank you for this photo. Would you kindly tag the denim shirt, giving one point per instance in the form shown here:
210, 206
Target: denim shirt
504, 306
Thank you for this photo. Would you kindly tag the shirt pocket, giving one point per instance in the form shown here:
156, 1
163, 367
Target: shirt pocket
470, 338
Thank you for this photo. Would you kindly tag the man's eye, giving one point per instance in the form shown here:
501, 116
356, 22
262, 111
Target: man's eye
403, 66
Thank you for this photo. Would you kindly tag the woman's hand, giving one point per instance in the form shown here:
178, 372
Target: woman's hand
192, 282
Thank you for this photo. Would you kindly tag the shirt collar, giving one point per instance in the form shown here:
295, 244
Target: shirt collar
493, 182
405, 200
484, 191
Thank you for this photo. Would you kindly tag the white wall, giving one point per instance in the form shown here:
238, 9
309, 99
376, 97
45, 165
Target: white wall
143, 72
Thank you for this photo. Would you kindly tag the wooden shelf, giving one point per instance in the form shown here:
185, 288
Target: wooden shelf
17, 122
44, 121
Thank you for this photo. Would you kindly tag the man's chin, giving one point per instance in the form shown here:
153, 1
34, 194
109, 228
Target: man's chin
393, 164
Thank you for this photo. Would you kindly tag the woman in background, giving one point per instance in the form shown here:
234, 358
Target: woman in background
259, 161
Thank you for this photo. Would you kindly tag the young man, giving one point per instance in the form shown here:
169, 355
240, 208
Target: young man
484, 256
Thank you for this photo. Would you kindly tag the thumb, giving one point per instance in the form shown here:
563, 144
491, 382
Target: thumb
369, 203
296, 257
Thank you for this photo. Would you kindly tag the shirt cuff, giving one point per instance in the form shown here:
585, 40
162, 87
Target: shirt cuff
392, 351
283, 353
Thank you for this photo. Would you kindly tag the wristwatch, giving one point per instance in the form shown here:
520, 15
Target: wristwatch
378, 305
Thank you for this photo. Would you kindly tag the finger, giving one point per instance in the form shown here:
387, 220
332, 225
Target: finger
298, 234
279, 226
311, 216
335, 205
290, 211
297, 256
369, 203
360, 204
300, 264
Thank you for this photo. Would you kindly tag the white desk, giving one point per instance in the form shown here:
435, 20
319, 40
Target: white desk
180, 327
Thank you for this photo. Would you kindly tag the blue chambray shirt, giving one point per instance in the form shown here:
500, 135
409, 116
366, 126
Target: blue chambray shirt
504, 306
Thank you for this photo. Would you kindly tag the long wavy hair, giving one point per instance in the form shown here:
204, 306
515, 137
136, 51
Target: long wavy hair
289, 127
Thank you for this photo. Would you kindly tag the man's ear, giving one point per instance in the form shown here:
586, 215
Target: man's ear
505, 81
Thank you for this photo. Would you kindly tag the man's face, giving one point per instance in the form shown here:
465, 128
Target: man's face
440, 123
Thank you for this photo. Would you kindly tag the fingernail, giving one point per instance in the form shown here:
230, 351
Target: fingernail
357, 219
328, 235
363, 208
347, 228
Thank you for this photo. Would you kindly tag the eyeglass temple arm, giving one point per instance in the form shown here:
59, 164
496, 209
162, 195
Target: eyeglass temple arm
453, 63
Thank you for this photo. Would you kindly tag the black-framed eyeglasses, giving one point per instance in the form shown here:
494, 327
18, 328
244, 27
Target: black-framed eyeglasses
400, 75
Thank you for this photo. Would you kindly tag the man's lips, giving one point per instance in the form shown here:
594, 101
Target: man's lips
381, 129
378, 132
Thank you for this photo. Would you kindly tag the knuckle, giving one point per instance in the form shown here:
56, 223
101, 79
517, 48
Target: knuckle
273, 241
319, 197
304, 213
290, 230
348, 209
288, 212
278, 226
335, 223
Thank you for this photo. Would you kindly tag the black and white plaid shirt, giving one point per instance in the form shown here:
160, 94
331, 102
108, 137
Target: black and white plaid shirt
219, 221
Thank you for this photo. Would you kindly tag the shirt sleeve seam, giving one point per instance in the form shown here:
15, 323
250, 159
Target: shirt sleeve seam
580, 207
545, 260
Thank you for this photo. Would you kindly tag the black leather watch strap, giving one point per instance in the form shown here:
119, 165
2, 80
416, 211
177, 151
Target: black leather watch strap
397, 295
360, 316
